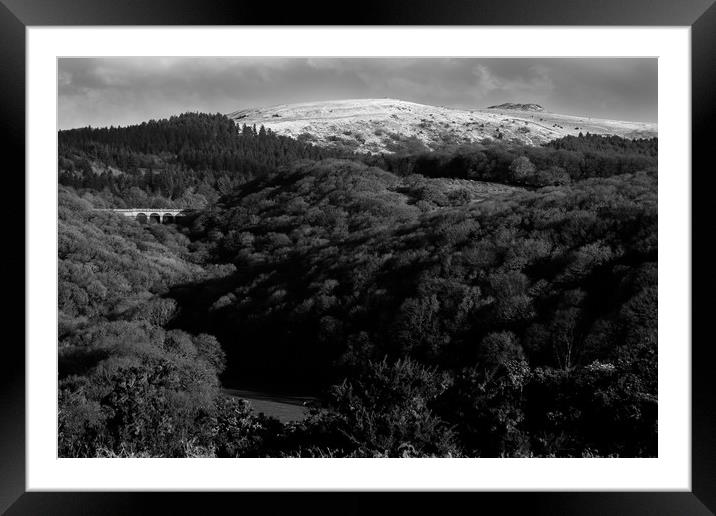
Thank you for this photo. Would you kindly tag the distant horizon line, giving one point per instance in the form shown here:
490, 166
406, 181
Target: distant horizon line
269, 106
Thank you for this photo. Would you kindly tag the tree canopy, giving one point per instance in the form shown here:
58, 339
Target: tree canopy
491, 300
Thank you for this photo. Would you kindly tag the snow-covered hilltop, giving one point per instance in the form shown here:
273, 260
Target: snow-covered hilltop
385, 125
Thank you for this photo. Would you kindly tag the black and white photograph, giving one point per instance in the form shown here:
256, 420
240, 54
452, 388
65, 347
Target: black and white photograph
359, 257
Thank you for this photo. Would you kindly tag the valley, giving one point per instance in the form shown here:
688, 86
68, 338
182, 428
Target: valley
439, 297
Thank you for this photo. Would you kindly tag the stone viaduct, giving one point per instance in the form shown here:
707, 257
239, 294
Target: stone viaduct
151, 215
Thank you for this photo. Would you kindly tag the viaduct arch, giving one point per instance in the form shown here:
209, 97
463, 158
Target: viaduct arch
150, 215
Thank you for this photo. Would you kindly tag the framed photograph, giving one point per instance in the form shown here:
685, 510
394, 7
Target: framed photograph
418, 249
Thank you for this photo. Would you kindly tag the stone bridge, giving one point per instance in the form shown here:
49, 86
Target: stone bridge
151, 215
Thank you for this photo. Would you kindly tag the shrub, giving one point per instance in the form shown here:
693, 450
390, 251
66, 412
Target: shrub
387, 411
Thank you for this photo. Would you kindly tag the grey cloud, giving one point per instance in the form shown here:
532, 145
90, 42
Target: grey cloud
117, 91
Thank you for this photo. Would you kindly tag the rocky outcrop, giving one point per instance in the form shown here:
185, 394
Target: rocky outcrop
519, 107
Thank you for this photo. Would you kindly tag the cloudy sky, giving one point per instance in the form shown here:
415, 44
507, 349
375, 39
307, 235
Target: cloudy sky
119, 91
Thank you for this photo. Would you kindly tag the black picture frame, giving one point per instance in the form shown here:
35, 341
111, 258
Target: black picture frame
17, 15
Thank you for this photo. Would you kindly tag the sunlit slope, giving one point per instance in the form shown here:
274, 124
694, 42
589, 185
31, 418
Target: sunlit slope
385, 125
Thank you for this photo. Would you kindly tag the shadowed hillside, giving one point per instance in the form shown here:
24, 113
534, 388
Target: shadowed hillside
488, 299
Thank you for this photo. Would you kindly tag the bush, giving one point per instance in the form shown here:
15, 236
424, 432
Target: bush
387, 412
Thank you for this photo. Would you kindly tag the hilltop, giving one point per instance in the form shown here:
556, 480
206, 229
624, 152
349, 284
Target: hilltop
521, 107
389, 125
